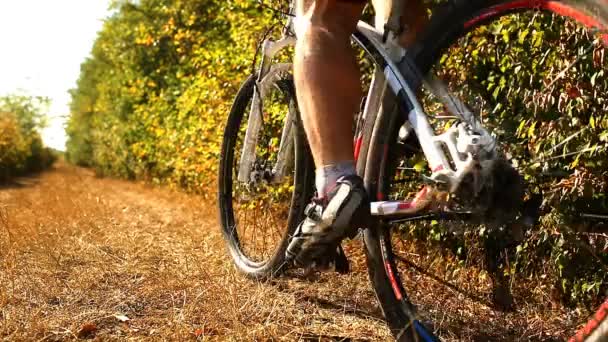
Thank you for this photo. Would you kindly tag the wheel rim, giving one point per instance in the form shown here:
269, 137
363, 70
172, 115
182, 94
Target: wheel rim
387, 188
259, 214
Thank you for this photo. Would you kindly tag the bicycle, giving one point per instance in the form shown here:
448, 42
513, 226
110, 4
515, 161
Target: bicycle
269, 171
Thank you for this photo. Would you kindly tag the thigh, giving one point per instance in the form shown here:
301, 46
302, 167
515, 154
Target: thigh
333, 15
399, 14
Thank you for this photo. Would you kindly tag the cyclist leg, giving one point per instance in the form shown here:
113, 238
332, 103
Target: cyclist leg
328, 89
328, 80
327, 76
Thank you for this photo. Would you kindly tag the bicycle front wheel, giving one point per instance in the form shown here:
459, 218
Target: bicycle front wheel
258, 216
535, 75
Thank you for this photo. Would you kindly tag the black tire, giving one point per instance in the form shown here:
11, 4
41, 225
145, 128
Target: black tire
398, 311
450, 21
303, 180
303, 175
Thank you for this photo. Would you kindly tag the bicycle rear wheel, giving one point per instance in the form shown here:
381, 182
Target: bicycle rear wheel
534, 72
259, 216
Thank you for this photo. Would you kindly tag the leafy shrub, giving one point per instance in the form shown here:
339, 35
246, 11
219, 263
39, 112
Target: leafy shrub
537, 80
152, 100
21, 148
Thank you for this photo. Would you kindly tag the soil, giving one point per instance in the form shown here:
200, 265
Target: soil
83, 257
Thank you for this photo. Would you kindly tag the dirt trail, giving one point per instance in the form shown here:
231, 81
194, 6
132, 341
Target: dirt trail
76, 251
85, 257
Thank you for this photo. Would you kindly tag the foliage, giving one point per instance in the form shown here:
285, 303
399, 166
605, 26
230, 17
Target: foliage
537, 81
21, 148
152, 99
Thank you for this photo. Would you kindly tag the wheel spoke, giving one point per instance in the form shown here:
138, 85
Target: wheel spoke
570, 154
595, 216
425, 272
538, 83
256, 206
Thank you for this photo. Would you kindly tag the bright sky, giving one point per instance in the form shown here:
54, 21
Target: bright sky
42, 43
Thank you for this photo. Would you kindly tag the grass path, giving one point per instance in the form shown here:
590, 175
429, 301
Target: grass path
85, 257
77, 251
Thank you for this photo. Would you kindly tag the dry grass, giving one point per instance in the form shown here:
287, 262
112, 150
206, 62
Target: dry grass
76, 251
458, 301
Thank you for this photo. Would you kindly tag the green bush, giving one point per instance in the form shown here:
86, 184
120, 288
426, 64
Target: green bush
538, 81
151, 101
21, 148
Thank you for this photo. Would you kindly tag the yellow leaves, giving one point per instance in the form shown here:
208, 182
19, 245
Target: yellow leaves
21, 147
191, 20
160, 111
183, 36
139, 150
159, 132
169, 26
531, 130
147, 40
87, 330
8, 126
13, 146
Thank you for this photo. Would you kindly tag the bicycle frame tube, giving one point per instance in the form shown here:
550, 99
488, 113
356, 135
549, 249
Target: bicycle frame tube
389, 58
285, 153
266, 78
456, 141
404, 93
395, 80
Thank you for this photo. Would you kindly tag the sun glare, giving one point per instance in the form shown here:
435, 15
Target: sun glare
43, 44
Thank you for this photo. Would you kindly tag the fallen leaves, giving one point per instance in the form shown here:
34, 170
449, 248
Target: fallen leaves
87, 330
199, 332
122, 318
205, 331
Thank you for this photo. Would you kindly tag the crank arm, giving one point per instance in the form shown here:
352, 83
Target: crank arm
426, 200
